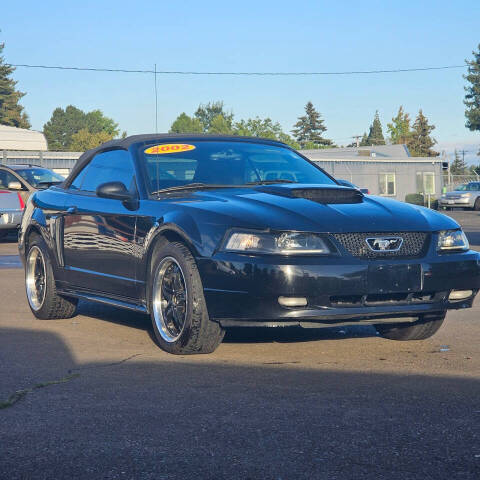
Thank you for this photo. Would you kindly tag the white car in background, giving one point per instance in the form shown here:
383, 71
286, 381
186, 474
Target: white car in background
466, 195
11, 211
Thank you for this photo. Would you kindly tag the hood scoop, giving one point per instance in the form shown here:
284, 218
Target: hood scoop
320, 194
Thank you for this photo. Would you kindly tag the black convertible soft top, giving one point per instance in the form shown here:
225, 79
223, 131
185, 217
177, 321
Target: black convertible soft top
125, 143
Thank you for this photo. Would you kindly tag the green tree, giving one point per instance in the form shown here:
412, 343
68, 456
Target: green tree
364, 140
472, 97
375, 135
96, 122
84, 140
310, 128
11, 112
264, 128
220, 125
421, 143
458, 166
475, 169
63, 124
399, 129
206, 113
186, 124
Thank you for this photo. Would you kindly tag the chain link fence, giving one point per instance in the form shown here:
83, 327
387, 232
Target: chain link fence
453, 181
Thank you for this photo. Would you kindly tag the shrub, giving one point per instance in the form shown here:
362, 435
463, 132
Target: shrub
415, 198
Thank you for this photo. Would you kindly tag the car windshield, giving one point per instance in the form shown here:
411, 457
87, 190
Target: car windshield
468, 187
204, 163
40, 177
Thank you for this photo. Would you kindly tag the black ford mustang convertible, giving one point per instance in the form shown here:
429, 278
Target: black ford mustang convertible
206, 232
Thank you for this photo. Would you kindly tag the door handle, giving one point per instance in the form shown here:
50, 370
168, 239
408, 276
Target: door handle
72, 210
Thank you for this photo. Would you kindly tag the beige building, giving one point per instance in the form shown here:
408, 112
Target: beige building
12, 138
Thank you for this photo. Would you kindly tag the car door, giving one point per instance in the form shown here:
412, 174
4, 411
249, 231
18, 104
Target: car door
99, 233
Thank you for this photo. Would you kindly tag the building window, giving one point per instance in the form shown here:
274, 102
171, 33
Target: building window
426, 183
386, 184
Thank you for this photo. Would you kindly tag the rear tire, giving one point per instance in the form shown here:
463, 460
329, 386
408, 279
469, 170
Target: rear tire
423, 328
41, 291
177, 305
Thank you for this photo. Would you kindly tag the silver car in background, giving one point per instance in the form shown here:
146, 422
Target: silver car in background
466, 195
11, 210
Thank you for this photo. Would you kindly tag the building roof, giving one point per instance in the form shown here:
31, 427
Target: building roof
12, 138
376, 151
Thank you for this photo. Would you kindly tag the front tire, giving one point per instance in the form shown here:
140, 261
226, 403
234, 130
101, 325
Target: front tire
476, 205
423, 328
40, 287
177, 305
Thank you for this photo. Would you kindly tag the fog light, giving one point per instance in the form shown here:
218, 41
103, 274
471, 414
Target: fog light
459, 294
292, 301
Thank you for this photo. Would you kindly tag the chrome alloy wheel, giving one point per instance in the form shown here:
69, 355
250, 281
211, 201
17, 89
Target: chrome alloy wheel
35, 278
169, 299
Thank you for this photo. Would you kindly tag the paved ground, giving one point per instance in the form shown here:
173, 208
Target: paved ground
333, 404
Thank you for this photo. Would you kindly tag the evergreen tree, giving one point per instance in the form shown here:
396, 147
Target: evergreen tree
185, 124
206, 113
458, 166
310, 128
364, 140
11, 112
399, 129
375, 135
475, 169
472, 97
421, 143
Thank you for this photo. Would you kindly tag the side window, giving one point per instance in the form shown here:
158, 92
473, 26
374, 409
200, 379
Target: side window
112, 166
6, 178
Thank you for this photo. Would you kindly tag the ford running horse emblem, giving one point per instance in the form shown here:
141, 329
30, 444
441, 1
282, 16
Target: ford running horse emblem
384, 244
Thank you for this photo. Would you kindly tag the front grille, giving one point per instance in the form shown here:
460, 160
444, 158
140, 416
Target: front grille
414, 244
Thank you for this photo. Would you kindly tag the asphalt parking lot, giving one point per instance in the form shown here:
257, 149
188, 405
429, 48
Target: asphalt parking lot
93, 397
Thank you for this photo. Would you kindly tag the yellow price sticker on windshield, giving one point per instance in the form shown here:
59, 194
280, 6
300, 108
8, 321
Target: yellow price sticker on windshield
169, 148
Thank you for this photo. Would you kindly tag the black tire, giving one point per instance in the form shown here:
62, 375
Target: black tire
423, 328
51, 305
198, 333
476, 205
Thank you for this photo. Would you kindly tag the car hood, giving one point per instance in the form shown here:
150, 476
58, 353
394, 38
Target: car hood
276, 210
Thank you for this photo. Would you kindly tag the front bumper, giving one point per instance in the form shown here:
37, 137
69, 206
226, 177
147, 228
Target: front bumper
243, 290
456, 202
10, 219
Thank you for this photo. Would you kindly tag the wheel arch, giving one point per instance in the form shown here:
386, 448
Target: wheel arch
169, 233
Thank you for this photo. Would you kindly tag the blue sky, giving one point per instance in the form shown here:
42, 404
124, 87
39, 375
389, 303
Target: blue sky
248, 36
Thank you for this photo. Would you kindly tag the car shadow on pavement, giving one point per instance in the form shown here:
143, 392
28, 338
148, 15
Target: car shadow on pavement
197, 417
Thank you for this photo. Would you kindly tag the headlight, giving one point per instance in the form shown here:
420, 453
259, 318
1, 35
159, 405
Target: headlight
465, 195
283, 243
452, 240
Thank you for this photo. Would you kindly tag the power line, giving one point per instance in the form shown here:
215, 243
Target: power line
174, 72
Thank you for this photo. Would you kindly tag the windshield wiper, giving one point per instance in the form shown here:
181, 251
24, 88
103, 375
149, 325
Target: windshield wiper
41, 185
192, 186
270, 182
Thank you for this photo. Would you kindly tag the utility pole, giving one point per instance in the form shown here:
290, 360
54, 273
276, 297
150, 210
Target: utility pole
463, 152
357, 139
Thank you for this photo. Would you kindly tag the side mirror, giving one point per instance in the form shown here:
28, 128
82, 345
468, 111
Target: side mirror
15, 186
114, 190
